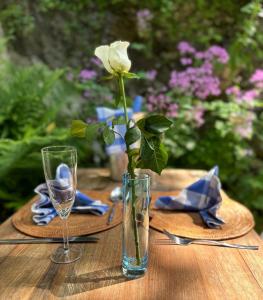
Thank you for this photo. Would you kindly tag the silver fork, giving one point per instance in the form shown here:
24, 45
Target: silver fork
176, 240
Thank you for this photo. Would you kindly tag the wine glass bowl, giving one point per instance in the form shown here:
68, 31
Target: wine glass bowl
60, 169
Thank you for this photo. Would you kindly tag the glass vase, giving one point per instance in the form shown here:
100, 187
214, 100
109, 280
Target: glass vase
136, 200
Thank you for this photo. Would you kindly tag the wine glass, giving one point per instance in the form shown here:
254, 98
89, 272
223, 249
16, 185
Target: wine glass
60, 168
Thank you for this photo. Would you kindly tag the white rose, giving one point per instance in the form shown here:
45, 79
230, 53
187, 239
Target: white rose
114, 57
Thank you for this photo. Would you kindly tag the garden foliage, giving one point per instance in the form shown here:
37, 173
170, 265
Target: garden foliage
201, 62
33, 99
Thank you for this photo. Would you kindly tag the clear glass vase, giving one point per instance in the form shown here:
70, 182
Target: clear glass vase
136, 200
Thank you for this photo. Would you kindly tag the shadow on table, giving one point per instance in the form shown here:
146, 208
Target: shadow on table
17, 271
184, 217
70, 284
59, 280
45, 278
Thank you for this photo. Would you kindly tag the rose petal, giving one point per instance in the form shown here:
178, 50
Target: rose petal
118, 57
102, 53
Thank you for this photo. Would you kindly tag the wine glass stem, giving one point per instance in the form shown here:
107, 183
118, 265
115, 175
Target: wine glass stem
65, 235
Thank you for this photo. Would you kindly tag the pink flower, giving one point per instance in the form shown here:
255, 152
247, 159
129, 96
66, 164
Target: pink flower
96, 61
198, 115
186, 61
243, 124
257, 76
185, 47
144, 16
200, 55
233, 90
144, 13
207, 67
87, 74
242, 97
173, 110
245, 131
250, 96
197, 81
218, 53
159, 102
151, 75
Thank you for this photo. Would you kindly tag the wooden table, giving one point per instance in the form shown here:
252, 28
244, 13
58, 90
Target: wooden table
192, 272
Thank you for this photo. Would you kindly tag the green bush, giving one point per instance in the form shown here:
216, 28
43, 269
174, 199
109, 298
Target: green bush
35, 111
65, 34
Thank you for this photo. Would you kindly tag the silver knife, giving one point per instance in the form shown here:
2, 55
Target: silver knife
78, 239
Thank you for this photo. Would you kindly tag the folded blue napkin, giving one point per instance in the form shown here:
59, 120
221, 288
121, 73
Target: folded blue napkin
43, 210
202, 196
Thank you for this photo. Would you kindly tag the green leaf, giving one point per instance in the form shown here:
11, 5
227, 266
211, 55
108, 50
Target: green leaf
78, 128
141, 125
108, 135
138, 46
107, 77
132, 135
92, 129
133, 152
130, 75
153, 155
81, 129
157, 124
118, 121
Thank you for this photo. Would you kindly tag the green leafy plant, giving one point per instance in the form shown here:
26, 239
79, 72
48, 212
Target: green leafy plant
33, 114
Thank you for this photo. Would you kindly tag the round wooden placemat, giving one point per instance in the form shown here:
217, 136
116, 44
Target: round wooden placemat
78, 224
238, 220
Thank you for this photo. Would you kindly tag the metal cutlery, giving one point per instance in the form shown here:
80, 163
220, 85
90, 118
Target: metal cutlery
78, 239
115, 196
176, 240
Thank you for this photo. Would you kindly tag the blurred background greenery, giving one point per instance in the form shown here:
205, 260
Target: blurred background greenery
201, 63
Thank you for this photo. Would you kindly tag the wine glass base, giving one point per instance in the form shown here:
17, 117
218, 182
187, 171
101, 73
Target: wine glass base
60, 257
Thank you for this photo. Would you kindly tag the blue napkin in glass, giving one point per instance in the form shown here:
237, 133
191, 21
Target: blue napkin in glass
105, 114
43, 210
202, 196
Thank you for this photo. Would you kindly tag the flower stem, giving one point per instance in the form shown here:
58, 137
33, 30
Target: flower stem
132, 174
